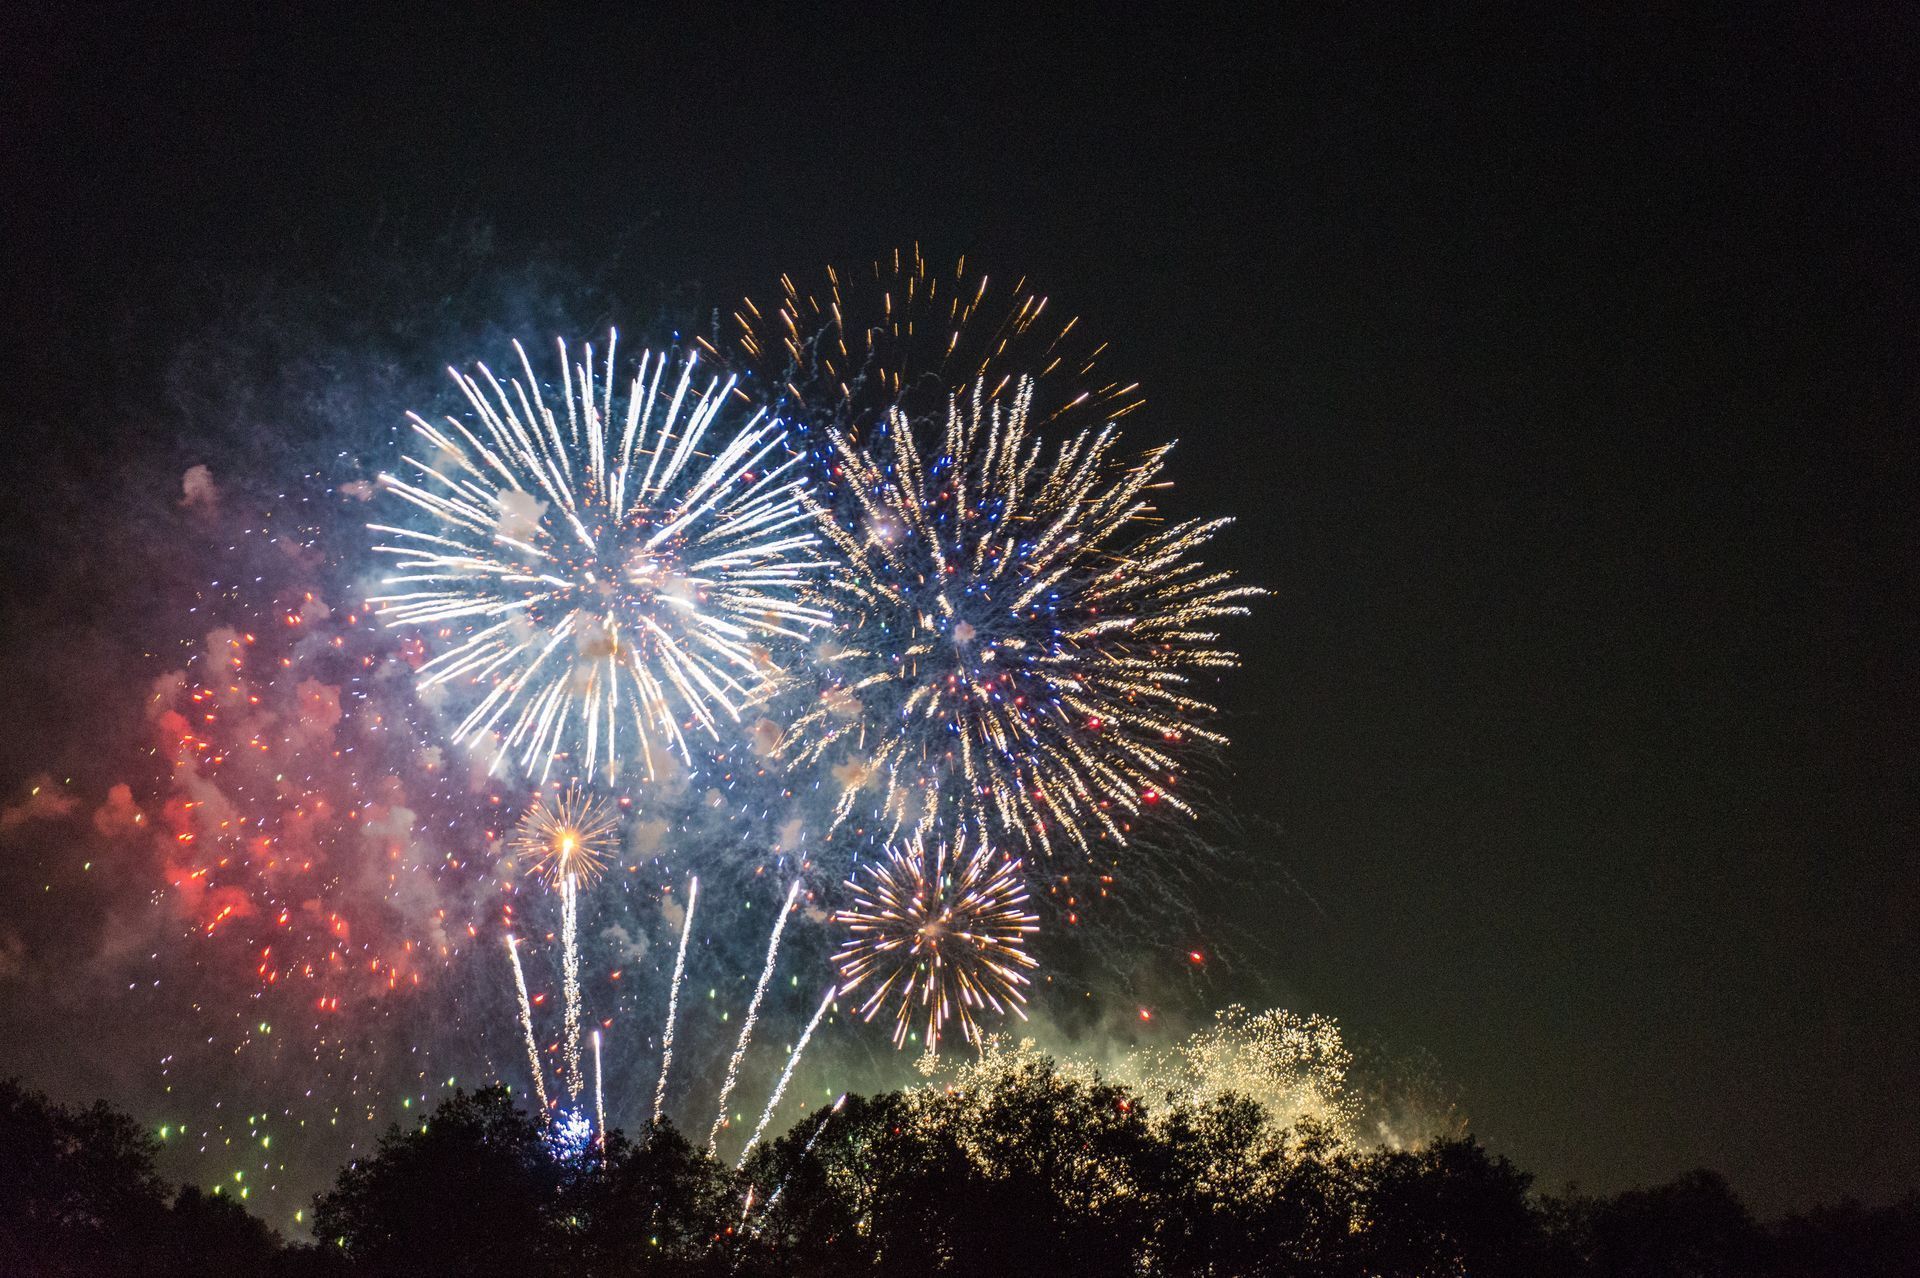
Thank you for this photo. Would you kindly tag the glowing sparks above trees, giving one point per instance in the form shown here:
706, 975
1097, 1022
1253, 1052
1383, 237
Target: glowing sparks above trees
936, 939
609, 568
1014, 637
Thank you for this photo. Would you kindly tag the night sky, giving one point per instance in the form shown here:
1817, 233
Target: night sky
1558, 368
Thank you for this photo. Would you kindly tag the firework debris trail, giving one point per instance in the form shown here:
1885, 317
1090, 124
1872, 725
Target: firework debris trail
526, 1023
570, 941
673, 1001
753, 1014
786, 1075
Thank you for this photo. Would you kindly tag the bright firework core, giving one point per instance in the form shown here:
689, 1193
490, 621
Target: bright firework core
566, 835
609, 571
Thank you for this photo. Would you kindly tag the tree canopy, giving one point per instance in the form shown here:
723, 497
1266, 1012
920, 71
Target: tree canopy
1016, 1166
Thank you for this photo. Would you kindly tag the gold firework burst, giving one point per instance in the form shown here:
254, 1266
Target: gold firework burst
566, 834
939, 937
857, 342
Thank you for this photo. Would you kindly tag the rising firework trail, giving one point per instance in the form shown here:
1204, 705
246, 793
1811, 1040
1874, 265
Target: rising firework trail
938, 939
1016, 633
673, 1002
565, 839
526, 1024
753, 1014
599, 1097
786, 1075
608, 572
805, 1149
570, 955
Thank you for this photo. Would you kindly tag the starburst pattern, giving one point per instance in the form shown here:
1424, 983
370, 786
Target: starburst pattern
937, 937
1015, 635
610, 569
566, 834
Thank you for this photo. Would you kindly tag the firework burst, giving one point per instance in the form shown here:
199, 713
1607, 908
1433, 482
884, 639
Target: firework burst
856, 344
568, 834
1016, 636
939, 939
609, 569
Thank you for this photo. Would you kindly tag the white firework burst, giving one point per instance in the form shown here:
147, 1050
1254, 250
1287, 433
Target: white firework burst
610, 570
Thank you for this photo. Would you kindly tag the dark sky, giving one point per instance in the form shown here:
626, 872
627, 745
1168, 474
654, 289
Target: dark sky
1558, 368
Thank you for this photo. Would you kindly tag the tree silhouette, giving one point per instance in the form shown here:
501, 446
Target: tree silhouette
1026, 1169
471, 1190
657, 1206
77, 1186
1692, 1227
1847, 1240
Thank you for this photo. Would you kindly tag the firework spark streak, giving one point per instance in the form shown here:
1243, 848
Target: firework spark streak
570, 951
526, 1024
599, 1097
939, 940
1011, 643
753, 1014
805, 1149
786, 1075
609, 571
673, 1002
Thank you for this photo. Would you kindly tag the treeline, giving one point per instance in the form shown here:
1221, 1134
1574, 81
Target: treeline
1031, 1171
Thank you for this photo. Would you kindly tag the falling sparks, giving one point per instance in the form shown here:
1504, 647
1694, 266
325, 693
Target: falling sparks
609, 573
940, 941
1294, 1066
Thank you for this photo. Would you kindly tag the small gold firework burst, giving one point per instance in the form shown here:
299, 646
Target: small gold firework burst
940, 935
566, 833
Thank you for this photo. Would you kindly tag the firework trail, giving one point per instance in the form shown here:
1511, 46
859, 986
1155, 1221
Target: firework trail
673, 1001
1016, 638
753, 1014
805, 1149
608, 577
946, 942
786, 1075
526, 1024
570, 951
599, 1096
